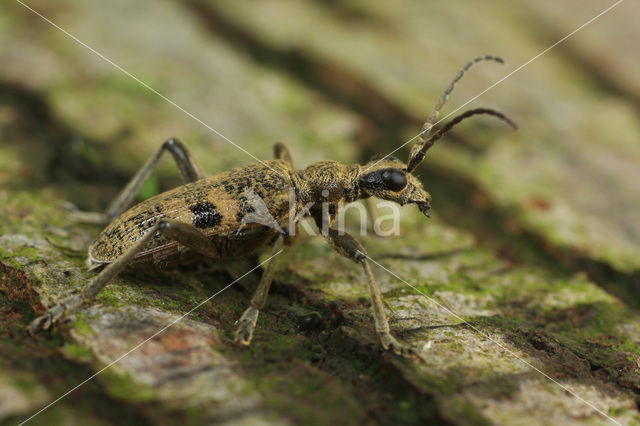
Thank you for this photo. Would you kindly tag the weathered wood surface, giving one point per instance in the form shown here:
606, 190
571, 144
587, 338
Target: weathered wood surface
535, 240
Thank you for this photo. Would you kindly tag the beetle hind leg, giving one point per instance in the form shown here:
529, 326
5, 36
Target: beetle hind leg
190, 170
183, 233
248, 320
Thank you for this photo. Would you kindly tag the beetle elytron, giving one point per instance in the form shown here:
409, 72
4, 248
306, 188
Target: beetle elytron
207, 216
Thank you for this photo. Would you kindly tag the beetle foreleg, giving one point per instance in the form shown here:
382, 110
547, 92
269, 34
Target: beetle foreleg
181, 232
248, 320
350, 248
382, 325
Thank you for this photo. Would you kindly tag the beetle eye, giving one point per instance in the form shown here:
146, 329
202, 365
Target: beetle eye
394, 180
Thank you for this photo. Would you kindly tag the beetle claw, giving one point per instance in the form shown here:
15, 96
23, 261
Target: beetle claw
390, 343
46, 320
42, 322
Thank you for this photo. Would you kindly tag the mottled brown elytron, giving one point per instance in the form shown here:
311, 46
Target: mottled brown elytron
214, 205
241, 211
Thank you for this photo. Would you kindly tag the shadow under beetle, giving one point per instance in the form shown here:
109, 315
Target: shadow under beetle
207, 216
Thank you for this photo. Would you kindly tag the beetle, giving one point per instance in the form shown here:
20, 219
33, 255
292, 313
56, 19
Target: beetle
243, 210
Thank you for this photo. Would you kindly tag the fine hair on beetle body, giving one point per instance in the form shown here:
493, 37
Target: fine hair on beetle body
246, 209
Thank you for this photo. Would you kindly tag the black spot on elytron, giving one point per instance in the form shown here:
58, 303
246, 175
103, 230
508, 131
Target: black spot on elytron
205, 215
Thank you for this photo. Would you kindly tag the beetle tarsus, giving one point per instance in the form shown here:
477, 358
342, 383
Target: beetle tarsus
46, 320
246, 325
390, 343
249, 319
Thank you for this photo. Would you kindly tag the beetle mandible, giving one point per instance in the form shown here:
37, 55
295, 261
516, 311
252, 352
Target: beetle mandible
207, 216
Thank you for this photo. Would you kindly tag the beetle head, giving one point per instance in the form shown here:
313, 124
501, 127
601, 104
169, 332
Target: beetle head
389, 179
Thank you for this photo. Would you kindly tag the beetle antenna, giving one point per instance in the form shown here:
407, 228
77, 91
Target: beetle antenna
428, 125
418, 155
445, 96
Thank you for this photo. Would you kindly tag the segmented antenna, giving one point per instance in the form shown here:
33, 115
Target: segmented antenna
418, 155
445, 96
428, 125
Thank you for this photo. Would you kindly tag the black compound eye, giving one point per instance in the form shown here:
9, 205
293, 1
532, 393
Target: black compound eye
393, 179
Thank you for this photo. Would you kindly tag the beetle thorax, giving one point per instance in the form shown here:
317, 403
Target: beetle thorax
328, 181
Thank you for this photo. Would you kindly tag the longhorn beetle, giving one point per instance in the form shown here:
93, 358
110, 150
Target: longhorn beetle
207, 216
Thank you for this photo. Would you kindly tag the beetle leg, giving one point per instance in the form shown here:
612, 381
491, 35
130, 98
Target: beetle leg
350, 248
281, 152
183, 233
248, 320
190, 170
